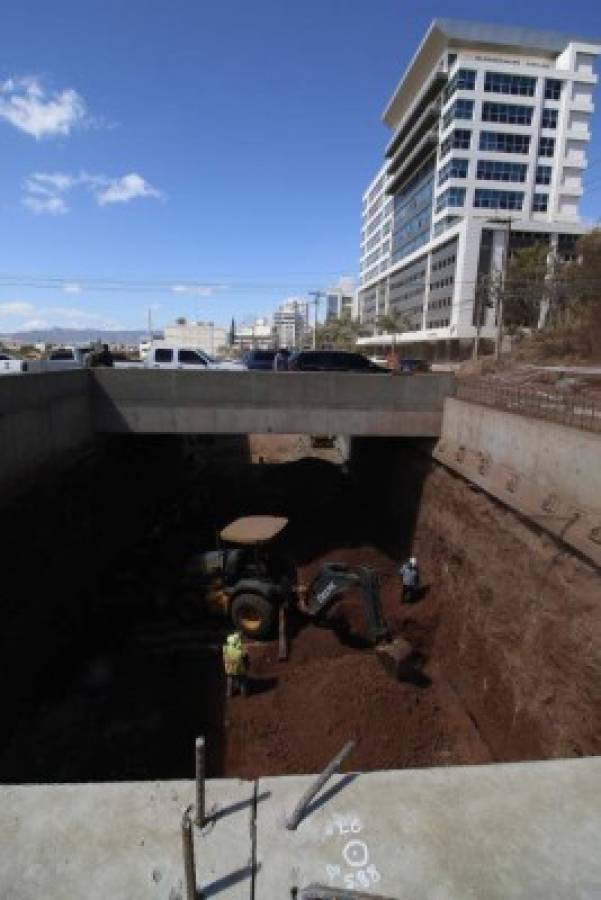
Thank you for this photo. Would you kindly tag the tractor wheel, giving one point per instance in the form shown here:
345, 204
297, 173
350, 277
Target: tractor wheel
253, 614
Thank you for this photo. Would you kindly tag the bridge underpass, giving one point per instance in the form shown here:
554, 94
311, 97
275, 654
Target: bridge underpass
128, 685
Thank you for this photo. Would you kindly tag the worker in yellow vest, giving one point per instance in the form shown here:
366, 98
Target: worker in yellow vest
235, 662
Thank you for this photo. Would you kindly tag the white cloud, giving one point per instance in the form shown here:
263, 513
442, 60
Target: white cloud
32, 324
193, 290
25, 104
122, 190
45, 191
48, 183
24, 316
16, 308
71, 287
55, 206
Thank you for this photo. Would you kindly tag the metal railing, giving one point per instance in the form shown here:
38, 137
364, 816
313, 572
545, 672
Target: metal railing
577, 410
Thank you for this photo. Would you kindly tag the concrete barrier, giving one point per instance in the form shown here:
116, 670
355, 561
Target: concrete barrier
549, 473
264, 402
500, 832
42, 416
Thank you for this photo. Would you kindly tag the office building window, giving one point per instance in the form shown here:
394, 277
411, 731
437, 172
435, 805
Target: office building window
504, 83
546, 146
549, 118
459, 139
493, 170
460, 109
455, 168
543, 174
504, 143
552, 89
492, 199
508, 113
540, 202
462, 80
453, 196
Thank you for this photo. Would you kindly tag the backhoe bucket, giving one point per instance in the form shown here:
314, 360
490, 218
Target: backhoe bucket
397, 657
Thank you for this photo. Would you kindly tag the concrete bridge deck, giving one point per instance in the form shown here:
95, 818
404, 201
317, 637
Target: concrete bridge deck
45, 416
497, 832
266, 402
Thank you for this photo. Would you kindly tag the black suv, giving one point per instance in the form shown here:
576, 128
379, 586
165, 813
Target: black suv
411, 366
331, 361
259, 359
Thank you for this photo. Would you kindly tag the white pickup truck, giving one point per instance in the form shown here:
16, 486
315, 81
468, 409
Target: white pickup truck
174, 357
9, 365
58, 360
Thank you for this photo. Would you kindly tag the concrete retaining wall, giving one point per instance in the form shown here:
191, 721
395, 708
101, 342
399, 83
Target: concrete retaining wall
550, 473
263, 402
42, 417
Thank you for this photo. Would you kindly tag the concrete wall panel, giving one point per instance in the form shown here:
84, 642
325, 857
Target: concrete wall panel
550, 473
266, 402
42, 416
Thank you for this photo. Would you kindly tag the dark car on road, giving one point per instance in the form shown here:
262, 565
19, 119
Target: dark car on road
411, 366
331, 361
259, 359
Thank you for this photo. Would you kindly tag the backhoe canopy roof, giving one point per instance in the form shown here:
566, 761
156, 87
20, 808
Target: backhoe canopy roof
251, 530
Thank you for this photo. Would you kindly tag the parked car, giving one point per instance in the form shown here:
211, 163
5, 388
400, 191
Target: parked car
411, 366
9, 365
170, 356
331, 361
259, 359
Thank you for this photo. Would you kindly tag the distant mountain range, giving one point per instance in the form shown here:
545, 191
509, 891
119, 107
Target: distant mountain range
76, 336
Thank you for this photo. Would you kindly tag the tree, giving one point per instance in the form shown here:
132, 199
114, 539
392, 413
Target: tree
338, 334
394, 323
232, 335
525, 289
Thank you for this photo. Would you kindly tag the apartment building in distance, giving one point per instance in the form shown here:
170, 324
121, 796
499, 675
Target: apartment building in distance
490, 126
291, 323
340, 300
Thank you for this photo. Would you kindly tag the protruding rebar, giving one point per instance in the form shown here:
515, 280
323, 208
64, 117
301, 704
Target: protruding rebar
199, 818
333, 766
188, 851
283, 636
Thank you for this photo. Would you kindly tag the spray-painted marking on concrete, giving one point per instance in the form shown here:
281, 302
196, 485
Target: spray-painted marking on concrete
356, 869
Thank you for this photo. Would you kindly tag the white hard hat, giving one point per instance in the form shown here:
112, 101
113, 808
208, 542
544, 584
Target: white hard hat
413, 561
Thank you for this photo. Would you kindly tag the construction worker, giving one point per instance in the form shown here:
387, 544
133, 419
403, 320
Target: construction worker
235, 662
410, 575
280, 361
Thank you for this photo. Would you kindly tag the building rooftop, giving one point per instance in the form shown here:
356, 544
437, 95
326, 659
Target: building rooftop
444, 33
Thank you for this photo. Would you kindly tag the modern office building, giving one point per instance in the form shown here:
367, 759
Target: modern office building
490, 126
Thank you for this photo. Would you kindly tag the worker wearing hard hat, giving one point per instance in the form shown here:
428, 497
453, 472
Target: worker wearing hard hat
235, 663
409, 572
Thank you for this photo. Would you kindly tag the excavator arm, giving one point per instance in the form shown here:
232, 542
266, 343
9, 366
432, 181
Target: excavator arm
330, 585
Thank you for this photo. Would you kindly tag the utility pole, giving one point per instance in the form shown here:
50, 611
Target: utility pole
149, 323
317, 295
500, 298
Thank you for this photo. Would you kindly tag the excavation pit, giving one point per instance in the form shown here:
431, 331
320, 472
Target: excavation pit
110, 684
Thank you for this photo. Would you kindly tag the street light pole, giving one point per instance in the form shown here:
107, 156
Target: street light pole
500, 299
316, 301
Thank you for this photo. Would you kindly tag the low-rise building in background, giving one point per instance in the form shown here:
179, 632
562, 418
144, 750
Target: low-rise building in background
205, 336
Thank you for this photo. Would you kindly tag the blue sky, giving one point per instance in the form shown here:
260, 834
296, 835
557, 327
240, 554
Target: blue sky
223, 144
